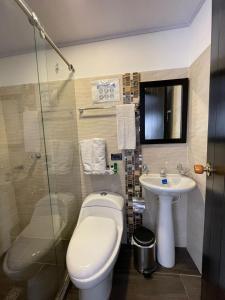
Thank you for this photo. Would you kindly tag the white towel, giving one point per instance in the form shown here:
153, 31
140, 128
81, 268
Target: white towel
93, 155
31, 130
99, 161
60, 157
86, 155
126, 130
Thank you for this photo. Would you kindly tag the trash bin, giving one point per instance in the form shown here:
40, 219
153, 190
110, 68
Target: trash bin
144, 251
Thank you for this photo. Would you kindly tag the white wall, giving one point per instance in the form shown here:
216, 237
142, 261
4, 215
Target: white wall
155, 51
163, 50
200, 32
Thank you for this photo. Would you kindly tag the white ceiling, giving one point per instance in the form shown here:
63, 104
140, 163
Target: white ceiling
71, 22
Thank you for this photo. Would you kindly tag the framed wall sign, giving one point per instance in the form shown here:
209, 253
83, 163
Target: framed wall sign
107, 90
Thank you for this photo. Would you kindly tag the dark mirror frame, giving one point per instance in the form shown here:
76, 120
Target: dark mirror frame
184, 82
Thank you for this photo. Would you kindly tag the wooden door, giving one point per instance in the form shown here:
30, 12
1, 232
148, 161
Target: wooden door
213, 283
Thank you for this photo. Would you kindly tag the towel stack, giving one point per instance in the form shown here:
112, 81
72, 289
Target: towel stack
93, 154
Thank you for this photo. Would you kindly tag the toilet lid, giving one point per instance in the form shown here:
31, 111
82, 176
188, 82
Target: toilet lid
91, 246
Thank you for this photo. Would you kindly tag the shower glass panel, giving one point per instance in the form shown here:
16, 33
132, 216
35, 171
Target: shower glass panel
57, 92
39, 189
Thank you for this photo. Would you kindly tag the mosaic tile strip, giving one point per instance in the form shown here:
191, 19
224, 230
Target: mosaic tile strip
132, 158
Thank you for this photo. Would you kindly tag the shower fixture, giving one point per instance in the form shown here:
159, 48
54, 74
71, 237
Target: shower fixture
34, 21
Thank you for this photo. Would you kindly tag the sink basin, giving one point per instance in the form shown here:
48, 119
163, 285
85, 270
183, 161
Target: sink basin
176, 184
166, 188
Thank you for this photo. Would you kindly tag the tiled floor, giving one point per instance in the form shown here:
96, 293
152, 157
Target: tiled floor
183, 282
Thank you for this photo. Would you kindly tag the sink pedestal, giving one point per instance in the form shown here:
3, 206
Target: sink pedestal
175, 186
165, 233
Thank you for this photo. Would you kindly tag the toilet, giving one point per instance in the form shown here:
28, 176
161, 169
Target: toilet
28, 252
94, 245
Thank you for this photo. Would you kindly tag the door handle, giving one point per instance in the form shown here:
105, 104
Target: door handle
200, 169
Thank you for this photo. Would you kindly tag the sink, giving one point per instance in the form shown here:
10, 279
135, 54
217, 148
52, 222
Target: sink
176, 184
166, 188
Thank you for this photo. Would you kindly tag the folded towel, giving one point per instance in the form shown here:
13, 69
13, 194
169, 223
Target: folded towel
32, 138
86, 155
93, 155
60, 157
99, 161
126, 130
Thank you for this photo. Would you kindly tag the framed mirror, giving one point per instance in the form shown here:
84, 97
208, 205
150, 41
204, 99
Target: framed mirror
163, 111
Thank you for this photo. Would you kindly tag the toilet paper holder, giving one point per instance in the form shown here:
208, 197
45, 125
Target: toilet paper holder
138, 205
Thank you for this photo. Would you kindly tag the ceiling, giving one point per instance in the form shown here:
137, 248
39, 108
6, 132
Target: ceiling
71, 22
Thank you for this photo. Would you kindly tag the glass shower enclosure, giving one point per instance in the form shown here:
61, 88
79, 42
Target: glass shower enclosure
40, 192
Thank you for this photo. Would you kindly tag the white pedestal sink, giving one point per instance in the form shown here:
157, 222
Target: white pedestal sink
176, 184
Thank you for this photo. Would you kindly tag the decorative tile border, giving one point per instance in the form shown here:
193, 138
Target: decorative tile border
133, 158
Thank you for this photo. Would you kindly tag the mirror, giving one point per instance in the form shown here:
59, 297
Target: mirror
163, 111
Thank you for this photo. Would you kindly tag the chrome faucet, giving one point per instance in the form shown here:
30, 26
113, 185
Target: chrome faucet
163, 172
145, 169
181, 170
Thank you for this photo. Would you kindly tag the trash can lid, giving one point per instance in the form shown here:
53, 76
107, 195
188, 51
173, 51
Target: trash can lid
143, 236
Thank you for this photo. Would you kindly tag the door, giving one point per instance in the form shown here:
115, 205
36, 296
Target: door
213, 283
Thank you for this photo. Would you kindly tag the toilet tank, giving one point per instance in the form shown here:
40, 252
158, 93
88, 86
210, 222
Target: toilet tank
103, 204
104, 199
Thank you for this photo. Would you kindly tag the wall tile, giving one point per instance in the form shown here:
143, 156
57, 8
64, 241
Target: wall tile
154, 155
100, 127
199, 74
28, 176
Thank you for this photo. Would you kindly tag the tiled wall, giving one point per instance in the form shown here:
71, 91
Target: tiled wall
24, 179
25, 188
154, 155
100, 127
132, 158
29, 190
8, 208
197, 151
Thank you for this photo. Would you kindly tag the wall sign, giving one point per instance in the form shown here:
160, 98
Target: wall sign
107, 90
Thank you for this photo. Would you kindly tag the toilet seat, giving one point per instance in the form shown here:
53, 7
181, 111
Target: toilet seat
91, 246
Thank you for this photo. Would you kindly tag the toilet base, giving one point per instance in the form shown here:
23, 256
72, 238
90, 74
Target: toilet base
101, 291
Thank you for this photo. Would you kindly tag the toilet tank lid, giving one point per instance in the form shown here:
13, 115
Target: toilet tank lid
104, 199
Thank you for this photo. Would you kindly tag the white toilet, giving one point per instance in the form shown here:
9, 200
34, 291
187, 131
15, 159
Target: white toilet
94, 246
27, 253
